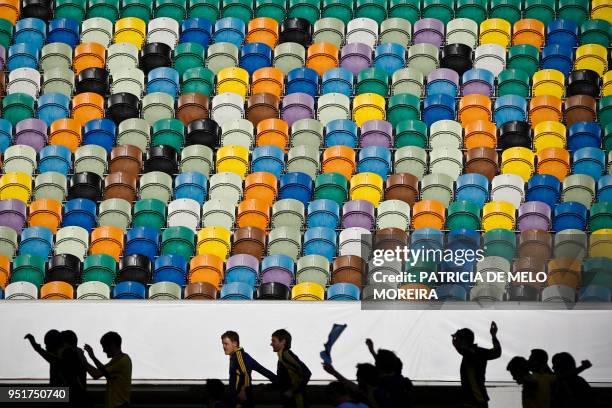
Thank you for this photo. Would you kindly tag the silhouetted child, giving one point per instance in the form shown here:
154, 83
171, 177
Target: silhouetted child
292, 373
75, 365
474, 365
538, 362
570, 390
536, 387
341, 397
240, 368
216, 394
394, 389
52, 355
367, 383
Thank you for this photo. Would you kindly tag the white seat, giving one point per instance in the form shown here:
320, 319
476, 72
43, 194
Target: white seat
446, 133
93, 290
121, 56
165, 291
97, 29
239, 132
393, 214
156, 106
559, 293
508, 187
163, 30
355, 241
491, 57
221, 55
362, 30
332, 106
227, 106
20, 158
21, 291
225, 186
72, 240
184, 212
218, 213
446, 160
462, 31
24, 80
130, 80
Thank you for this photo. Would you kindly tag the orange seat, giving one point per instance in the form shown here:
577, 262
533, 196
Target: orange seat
528, 31
268, 80
253, 213
554, 161
66, 132
543, 108
107, 240
87, 106
474, 107
89, 55
9, 10
5, 271
45, 212
206, 268
57, 290
262, 186
339, 159
322, 57
263, 30
480, 133
428, 214
273, 132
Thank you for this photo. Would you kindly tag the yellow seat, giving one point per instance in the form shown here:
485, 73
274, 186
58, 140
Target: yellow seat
607, 84
130, 30
308, 291
593, 57
601, 10
519, 161
368, 106
495, 31
16, 185
548, 82
601, 243
498, 214
214, 241
549, 134
233, 79
234, 159
367, 186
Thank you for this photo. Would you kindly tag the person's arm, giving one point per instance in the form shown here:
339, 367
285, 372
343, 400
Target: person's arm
99, 370
370, 345
496, 351
585, 365
351, 386
299, 374
49, 357
255, 366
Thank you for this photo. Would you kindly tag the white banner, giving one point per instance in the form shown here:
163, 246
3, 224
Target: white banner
180, 340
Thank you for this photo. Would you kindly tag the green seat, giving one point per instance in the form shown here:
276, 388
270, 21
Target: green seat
475, 10
17, 107
99, 268
313, 268
178, 241
28, 268
188, 55
605, 110
55, 55
596, 32
395, 30
412, 132
411, 159
443, 10
463, 214
525, 57
513, 82
408, 9
576, 10
288, 212
402, 107
423, 57
198, 158
149, 213
157, 106
198, 80
137, 8
372, 80
175, 9
439, 187
306, 9
240, 9
115, 212
274, 9
108, 9
500, 242
6, 33
207, 9
374, 9
596, 271
332, 186
543, 10
340, 9
221, 55
509, 10
607, 137
170, 132
307, 132
73, 9
600, 215
414, 270
58, 80
408, 80
8, 241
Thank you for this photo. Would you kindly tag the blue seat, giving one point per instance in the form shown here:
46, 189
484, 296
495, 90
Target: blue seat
343, 291
509, 108
304, 80
562, 32
53, 106
55, 158
23, 55
462, 240
270, 159
191, 185
604, 188
438, 107
30, 31
163, 79
323, 213
595, 293
6, 134
483, 77
129, 290
472, 187
341, 132
80, 212
569, 215
583, 134
142, 241
374, 159
296, 185
254, 56
320, 241
239, 272
559, 57
196, 30
389, 57
236, 291
337, 80
231, 30
36, 241
427, 238
281, 261
101, 132
170, 268
545, 188
64, 30
590, 161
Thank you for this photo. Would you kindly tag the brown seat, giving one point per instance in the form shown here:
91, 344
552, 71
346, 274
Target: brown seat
348, 268
535, 244
483, 160
530, 265
402, 186
200, 290
580, 108
126, 159
249, 240
120, 185
262, 106
192, 106
390, 238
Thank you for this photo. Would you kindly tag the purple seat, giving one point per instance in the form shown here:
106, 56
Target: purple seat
358, 213
376, 132
445, 78
297, 106
13, 214
31, 132
242, 260
534, 215
277, 274
355, 57
429, 30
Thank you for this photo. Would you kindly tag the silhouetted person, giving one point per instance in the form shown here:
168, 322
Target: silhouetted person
474, 365
75, 366
538, 362
394, 389
340, 396
367, 382
215, 389
118, 371
52, 355
240, 369
570, 390
536, 387
291, 372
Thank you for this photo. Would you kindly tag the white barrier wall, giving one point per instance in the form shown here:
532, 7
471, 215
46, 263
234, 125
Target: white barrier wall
180, 340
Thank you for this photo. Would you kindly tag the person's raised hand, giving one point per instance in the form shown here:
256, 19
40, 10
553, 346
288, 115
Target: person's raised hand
369, 343
88, 349
493, 329
329, 368
29, 337
586, 364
